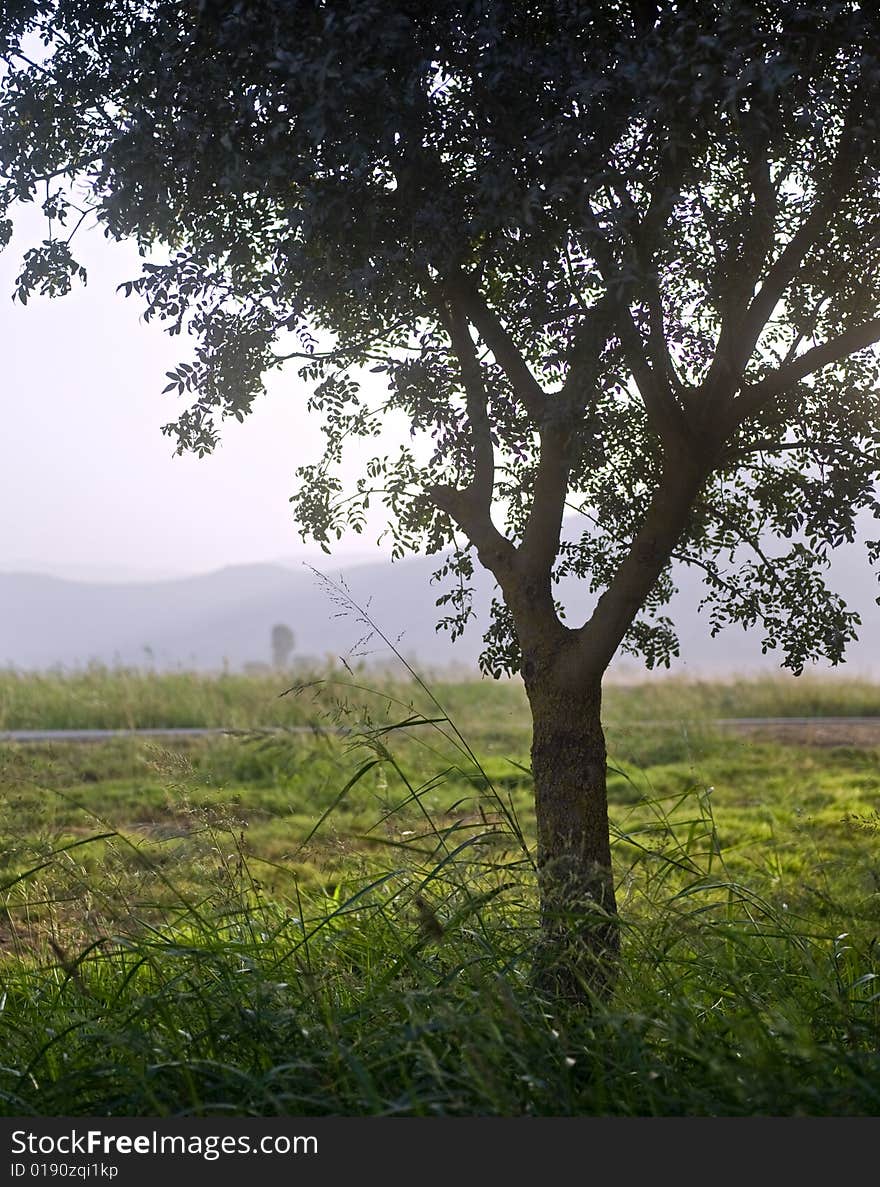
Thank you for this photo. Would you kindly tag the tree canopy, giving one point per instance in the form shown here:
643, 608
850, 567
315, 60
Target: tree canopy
585, 247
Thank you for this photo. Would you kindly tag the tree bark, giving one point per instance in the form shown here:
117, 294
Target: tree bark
562, 670
579, 942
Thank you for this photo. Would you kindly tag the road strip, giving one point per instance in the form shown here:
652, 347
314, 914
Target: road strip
102, 735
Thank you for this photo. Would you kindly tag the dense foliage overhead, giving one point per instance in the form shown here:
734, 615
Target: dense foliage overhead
576, 243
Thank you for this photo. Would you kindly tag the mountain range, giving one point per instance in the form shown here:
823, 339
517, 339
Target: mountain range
224, 619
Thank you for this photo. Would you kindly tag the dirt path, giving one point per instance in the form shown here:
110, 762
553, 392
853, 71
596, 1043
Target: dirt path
799, 731
808, 731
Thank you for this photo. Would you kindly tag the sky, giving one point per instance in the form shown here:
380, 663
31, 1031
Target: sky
89, 486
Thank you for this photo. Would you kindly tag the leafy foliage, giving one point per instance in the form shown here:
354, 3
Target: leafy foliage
582, 245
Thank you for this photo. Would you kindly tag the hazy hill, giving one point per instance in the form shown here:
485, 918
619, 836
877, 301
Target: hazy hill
226, 617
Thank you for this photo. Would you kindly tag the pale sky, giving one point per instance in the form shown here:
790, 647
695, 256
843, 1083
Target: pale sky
89, 486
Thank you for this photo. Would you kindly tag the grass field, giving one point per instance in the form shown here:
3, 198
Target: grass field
305, 923
106, 698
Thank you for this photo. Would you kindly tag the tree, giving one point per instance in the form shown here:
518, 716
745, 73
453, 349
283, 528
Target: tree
282, 644
617, 259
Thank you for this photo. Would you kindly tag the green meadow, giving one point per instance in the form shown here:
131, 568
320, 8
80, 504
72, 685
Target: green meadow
331, 908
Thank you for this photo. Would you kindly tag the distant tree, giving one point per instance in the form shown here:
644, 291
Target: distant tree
282, 645
618, 259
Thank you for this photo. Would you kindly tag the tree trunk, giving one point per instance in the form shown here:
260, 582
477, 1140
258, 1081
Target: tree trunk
579, 942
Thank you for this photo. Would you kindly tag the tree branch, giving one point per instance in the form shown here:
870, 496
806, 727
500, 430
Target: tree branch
483, 452
495, 551
740, 267
640, 234
663, 412
739, 335
544, 526
590, 339
769, 446
650, 552
528, 391
471, 508
754, 398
